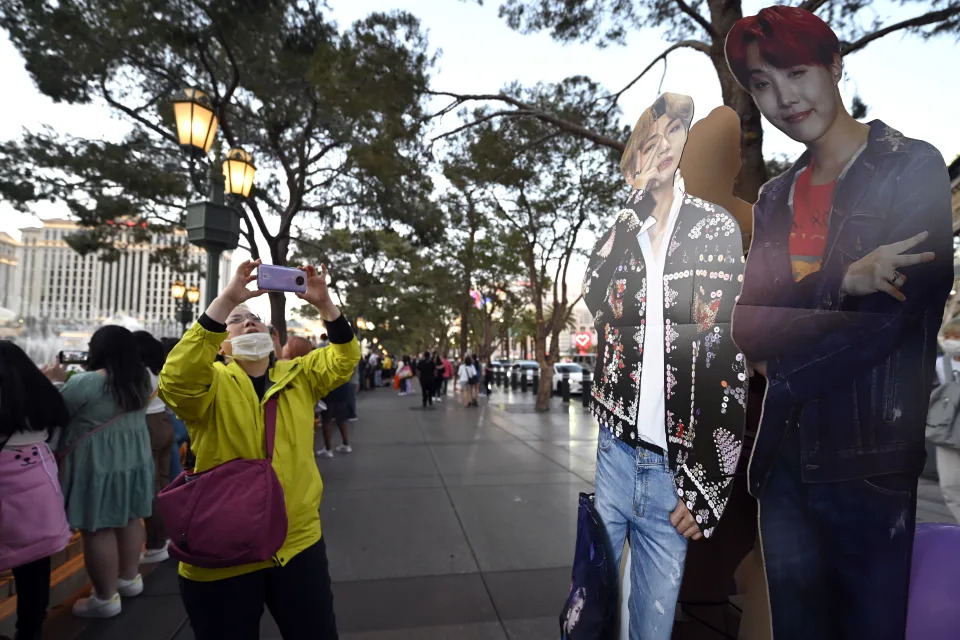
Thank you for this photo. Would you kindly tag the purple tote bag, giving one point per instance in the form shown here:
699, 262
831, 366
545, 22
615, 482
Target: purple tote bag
229, 515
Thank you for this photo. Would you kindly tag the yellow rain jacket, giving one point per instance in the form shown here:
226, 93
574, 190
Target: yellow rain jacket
226, 421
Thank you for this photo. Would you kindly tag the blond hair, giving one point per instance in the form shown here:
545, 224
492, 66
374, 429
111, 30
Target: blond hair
673, 105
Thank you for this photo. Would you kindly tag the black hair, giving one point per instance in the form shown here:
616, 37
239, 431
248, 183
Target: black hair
468, 361
168, 345
28, 401
114, 349
152, 353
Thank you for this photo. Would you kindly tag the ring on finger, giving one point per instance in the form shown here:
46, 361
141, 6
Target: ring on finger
897, 278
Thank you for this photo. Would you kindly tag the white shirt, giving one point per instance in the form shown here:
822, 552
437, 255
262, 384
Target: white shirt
465, 372
156, 404
651, 414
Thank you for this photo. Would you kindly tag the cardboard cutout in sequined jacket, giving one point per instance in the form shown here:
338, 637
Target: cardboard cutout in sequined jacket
705, 379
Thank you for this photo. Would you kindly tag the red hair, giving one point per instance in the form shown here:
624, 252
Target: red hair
787, 37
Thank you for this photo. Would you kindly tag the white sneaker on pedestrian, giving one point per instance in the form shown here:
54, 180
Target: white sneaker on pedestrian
324, 453
153, 556
351, 419
131, 588
344, 448
94, 607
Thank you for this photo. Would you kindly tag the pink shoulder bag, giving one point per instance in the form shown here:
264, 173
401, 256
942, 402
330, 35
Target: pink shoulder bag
229, 515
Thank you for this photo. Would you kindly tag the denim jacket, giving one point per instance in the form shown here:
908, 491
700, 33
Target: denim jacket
854, 372
705, 384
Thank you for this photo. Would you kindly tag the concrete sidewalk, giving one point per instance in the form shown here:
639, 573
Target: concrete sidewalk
446, 523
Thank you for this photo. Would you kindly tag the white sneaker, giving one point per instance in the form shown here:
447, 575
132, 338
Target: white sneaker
324, 453
131, 588
344, 448
94, 607
153, 556
351, 419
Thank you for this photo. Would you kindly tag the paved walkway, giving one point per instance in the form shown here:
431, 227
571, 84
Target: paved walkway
442, 524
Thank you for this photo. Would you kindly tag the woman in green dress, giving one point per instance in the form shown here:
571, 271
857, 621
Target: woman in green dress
107, 468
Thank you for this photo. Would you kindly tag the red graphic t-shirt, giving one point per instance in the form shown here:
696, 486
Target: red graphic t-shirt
811, 221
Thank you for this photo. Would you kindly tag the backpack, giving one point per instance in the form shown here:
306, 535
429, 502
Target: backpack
943, 428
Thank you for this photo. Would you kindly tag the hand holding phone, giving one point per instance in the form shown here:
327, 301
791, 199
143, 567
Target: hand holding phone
72, 357
274, 278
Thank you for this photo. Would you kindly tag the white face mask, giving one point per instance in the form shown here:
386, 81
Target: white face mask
952, 345
251, 346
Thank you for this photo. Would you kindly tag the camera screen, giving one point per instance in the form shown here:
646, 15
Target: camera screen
73, 357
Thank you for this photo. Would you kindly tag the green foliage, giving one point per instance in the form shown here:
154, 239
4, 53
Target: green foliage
332, 116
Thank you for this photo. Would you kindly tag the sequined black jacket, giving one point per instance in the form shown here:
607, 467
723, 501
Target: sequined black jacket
705, 382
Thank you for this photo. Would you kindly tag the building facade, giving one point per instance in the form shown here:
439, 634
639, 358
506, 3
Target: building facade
59, 287
9, 248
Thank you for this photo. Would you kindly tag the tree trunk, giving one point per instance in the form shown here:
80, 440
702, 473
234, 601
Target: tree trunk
753, 172
546, 371
278, 300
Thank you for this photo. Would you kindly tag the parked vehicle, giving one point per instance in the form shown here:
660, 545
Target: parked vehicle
574, 373
588, 361
525, 368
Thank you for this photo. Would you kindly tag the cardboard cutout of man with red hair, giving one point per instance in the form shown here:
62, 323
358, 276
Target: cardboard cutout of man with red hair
846, 279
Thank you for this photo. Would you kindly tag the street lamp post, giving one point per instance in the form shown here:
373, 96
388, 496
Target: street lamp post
186, 299
211, 224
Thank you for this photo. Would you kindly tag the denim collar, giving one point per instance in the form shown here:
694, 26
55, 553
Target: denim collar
881, 141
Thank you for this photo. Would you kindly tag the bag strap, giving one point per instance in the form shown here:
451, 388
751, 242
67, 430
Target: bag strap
61, 455
270, 415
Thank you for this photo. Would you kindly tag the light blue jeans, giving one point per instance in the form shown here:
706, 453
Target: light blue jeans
635, 495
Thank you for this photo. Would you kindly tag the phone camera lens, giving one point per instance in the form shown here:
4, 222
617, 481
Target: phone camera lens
299, 280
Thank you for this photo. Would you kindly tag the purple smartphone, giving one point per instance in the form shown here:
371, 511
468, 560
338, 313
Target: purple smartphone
274, 278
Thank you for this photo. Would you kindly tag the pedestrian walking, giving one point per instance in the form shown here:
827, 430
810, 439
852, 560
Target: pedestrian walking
107, 469
448, 372
227, 407
33, 525
438, 372
426, 371
336, 413
465, 373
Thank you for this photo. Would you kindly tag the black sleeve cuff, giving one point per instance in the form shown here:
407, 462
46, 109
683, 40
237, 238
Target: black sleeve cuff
210, 324
339, 331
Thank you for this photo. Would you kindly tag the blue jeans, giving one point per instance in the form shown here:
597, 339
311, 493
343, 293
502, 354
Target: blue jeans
635, 495
837, 554
378, 378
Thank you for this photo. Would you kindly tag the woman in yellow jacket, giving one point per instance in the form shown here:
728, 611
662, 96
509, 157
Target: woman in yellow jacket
223, 408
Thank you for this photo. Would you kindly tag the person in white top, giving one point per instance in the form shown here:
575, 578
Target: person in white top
161, 443
466, 372
948, 458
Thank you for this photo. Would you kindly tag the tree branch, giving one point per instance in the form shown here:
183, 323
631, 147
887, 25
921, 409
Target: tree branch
919, 21
698, 45
133, 114
525, 110
812, 5
699, 19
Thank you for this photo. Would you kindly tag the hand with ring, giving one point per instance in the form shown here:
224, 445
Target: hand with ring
878, 270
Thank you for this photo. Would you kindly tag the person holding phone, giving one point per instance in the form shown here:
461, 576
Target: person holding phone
106, 466
222, 405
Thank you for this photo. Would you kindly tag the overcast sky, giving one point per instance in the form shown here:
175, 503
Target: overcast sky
907, 82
